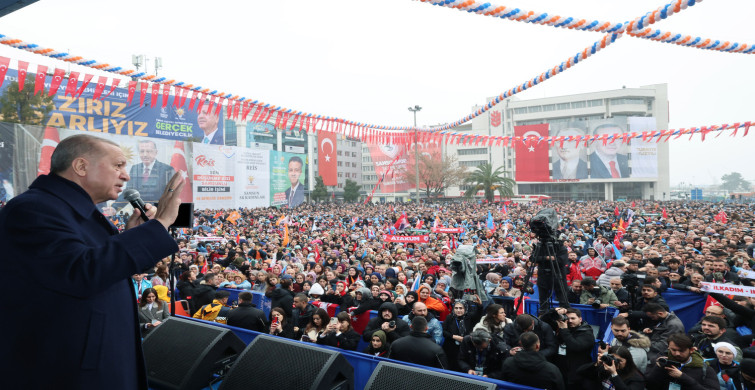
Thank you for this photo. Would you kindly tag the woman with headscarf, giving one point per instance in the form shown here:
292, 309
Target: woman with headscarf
379, 345
401, 290
506, 288
353, 275
491, 282
457, 325
405, 304
433, 304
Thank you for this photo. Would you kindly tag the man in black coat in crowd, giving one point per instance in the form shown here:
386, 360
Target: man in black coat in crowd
478, 356
387, 313
246, 315
302, 313
528, 366
576, 341
419, 347
527, 323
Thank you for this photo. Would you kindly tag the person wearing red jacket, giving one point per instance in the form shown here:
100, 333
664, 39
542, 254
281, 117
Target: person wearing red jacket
574, 271
591, 264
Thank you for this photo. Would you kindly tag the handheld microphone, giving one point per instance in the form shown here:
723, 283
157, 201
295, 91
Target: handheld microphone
135, 198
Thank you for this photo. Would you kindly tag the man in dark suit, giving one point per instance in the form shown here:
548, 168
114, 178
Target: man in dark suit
606, 162
150, 176
295, 194
85, 334
208, 122
570, 164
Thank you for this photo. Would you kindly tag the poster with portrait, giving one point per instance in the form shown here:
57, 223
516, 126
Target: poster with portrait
252, 178
288, 178
644, 153
609, 158
568, 153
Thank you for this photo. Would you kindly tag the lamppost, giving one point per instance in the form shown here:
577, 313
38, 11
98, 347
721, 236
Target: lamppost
416, 150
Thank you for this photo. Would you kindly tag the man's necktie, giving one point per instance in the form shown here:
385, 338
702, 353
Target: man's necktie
206, 140
145, 174
614, 172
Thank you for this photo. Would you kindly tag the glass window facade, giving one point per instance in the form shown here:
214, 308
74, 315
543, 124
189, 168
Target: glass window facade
566, 191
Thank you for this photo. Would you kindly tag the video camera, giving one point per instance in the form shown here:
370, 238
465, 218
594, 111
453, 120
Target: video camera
545, 225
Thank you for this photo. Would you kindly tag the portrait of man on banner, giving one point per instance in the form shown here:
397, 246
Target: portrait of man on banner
150, 176
208, 122
609, 160
295, 193
569, 159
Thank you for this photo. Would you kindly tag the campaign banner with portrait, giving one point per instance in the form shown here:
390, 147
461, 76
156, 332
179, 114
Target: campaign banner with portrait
288, 178
111, 113
261, 136
568, 158
644, 153
382, 156
214, 175
151, 163
609, 159
7, 151
252, 178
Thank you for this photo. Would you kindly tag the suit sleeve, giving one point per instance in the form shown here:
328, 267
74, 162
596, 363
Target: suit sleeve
68, 264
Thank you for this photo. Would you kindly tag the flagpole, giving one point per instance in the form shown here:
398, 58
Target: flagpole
416, 151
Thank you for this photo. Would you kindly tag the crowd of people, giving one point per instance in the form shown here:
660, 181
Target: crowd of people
315, 255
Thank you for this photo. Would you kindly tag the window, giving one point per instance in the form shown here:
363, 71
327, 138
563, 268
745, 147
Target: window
627, 101
340, 174
340, 163
230, 133
595, 103
520, 110
563, 106
578, 105
534, 109
549, 107
473, 163
469, 152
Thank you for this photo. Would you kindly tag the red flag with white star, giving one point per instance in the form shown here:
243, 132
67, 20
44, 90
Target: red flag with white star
39, 81
327, 158
178, 162
49, 143
101, 84
23, 67
531, 154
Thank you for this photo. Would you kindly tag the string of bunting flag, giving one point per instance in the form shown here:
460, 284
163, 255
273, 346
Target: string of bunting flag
637, 28
370, 133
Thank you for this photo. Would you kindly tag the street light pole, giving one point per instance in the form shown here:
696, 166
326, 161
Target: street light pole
416, 151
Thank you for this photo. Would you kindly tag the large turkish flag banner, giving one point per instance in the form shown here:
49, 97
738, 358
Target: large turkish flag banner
532, 153
326, 158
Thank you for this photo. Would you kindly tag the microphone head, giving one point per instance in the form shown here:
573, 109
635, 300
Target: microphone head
131, 195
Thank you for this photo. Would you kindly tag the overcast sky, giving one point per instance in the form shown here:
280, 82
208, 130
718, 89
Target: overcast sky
369, 60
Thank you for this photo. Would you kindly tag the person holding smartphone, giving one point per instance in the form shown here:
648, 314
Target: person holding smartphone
339, 333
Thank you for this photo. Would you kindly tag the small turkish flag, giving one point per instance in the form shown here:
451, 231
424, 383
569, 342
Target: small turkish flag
155, 91
4, 62
166, 94
39, 81
101, 83
112, 88
57, 79
327, 158
23, 66
143, 90
87, 79
73, 83
131, 91
178, 162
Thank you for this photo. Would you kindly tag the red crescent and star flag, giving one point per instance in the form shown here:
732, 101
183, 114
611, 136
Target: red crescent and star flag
531, 153
326, 158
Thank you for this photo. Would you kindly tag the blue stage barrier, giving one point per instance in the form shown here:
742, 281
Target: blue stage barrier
365, 364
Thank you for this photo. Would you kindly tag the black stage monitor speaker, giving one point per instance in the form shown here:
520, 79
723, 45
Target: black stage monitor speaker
184, 354
390, 376
271, 361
